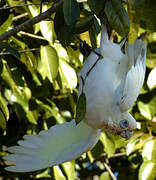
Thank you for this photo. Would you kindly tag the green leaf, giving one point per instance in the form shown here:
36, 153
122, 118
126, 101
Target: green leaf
6, 48
16, 96
151, 81
147, 171
71, 12
3, 107
2, 120
117, 17
4, 27
84, 23
105, 176
47, 27
151, 60
144, 12
68, 75
34, 12
149, 150
69, 168
81, 107
109, 145
96, 152
51, 110
30, 61
97, 6
44, 174
18, 42
144, 110
93, 36
63, 32
49, 64
4, 113
58, 173
131, 146
148, 110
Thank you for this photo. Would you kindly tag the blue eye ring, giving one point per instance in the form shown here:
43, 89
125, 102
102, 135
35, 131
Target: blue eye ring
124, 124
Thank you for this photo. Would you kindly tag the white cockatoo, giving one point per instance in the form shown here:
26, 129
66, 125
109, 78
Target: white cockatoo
111, 84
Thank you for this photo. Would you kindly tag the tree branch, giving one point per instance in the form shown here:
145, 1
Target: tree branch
21, 5
32, 21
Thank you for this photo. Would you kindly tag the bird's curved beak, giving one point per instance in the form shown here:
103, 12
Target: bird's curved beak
126, 134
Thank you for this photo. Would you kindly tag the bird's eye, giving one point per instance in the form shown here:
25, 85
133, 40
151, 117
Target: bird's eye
124, 124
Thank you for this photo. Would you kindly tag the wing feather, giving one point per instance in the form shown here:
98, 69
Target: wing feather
58, 144
135, 76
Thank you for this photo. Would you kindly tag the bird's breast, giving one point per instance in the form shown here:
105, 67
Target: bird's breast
100, 87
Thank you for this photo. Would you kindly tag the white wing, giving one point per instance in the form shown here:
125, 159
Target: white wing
59, 144
135, 76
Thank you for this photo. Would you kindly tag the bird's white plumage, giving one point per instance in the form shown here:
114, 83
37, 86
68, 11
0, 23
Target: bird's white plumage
135, 76
58, 144
111, 87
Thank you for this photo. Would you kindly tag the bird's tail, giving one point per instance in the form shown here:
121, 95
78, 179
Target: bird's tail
51, 147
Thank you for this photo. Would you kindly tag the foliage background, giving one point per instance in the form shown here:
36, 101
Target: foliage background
38, 84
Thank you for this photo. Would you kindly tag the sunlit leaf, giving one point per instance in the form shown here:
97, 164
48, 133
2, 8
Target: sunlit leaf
44, 174
148, 110
16, 96
151, 81
48, 66
149, 150
19, 43
2, 120
69, 168
47, 27
109, 145
29, 60
4, 107
4, 27
144, 110
68, 75
34, 12
131, 146
151, 60
4, 113
105, 176
52, 110
147, 171
58, 173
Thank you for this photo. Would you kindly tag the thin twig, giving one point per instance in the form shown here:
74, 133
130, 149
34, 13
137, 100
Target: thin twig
32, 35
109, 171
21, 5
19, 16
21, 51
32, 21
114, 155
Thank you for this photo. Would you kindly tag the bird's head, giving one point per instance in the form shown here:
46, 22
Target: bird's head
122, 124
